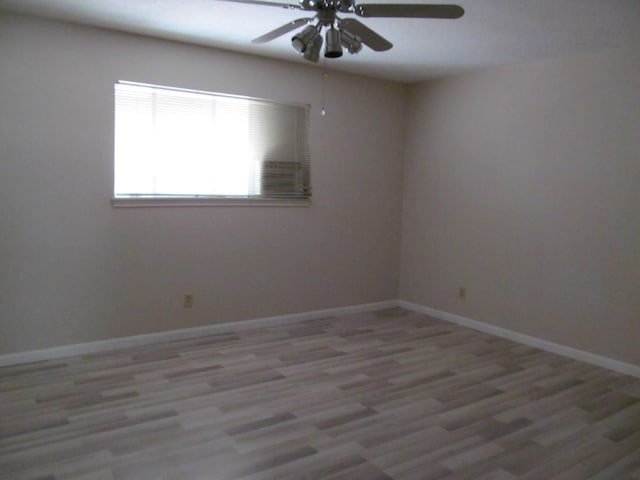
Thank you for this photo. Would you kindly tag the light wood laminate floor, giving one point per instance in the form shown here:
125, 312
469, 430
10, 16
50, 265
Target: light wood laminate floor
383, 395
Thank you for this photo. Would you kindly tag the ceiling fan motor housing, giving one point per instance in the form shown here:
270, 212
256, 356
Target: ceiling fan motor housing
335, 5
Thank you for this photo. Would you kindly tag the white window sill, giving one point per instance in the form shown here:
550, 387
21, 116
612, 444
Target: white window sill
145, 202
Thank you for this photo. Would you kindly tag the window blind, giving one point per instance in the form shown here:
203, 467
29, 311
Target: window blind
173, 142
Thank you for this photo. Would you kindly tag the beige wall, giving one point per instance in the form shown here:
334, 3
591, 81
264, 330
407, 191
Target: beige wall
522, 184
74, 269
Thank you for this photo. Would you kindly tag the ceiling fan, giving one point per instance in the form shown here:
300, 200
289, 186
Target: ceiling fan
345, 32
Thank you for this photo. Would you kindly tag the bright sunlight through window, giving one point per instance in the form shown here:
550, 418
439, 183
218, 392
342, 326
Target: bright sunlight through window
182, 143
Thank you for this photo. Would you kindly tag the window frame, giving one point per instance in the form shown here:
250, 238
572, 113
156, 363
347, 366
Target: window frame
202, 200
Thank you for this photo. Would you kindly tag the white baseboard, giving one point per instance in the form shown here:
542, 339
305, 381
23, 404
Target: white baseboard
157, 337
167, 336
574, 353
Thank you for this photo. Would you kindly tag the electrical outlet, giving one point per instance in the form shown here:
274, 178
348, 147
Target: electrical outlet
188, 300
462, 293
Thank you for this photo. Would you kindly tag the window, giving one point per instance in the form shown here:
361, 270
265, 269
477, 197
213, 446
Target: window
182, 144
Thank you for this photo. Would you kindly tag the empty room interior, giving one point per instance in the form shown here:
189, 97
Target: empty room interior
454, 293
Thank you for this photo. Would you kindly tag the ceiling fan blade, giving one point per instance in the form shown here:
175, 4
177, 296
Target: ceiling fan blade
370, 38
408, 10
288, 6
287, 27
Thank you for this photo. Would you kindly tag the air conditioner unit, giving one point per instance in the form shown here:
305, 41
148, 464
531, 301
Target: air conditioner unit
282, 179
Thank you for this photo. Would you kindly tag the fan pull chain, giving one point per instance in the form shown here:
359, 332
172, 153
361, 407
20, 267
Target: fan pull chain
323, 112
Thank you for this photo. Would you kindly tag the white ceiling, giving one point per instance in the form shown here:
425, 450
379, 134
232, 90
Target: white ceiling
492, 32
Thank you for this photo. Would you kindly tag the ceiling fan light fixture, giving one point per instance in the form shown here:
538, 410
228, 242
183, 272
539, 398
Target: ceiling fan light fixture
351, 42
348, 33
301, 41
333, 48
312, 53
